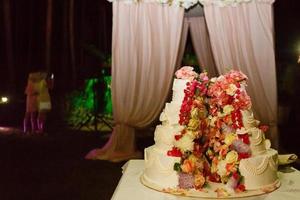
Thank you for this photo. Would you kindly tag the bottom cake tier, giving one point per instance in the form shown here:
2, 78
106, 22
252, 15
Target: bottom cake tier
260, 170
214, 190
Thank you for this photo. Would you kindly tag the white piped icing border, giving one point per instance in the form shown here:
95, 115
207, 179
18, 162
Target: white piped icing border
253, 169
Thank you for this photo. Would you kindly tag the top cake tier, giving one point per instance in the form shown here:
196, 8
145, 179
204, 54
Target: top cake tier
178, 90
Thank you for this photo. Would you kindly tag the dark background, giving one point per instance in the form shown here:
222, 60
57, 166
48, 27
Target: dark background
76, 29
72, 39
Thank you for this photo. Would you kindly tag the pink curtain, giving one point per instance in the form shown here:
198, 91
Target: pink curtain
201, 44
242, 38
184, 34
146, 39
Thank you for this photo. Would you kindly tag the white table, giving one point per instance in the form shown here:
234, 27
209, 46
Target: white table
130, 187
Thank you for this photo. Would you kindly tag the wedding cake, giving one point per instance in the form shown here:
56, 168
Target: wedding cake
208, 143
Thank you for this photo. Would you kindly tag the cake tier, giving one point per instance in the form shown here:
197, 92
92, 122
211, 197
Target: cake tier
178, 90
159, 168
260, 171
248, 119
170, 114
258, 143
164, 136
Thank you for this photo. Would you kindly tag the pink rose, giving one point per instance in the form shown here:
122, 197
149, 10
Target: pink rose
234, 75
186, 72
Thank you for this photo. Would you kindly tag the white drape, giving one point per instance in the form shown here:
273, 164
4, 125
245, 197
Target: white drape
201, 44
242, 38
146, 39
184, 34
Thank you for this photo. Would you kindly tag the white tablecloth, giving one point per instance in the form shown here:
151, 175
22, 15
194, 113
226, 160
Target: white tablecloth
130, 187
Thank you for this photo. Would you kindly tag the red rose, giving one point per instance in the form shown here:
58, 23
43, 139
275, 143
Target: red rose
174, 152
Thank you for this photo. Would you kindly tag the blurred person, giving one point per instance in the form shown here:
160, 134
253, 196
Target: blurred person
32, 92
44, 100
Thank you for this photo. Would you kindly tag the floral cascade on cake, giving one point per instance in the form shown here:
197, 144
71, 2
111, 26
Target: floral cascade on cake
210, 136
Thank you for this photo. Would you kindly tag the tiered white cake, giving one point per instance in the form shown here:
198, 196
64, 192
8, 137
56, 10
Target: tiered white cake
158, 166
209, 136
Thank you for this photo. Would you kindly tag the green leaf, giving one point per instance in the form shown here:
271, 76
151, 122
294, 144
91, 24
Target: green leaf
177, 167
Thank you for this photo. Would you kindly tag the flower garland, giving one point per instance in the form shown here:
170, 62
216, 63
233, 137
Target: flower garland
214, 139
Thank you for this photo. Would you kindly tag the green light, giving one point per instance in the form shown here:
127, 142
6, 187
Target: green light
107, 96
95, 98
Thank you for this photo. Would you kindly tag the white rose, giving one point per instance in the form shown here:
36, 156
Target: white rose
222, 168
185, 143
214, 79
231, 89
228, 109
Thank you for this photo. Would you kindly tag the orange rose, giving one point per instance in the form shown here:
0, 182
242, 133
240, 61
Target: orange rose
188, 166
199, 180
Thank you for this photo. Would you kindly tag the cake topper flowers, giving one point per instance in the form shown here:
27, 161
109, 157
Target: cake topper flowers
186, 72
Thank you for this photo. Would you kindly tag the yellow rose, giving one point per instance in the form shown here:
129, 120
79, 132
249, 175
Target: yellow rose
193, 124
193, 158
214, 168
195, 113
199, 180
231, 89
202, 113
192, 133
229, 138
221, 168
213, 121
232, 157
228, 109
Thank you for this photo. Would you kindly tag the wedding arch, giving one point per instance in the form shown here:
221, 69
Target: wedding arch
147, 41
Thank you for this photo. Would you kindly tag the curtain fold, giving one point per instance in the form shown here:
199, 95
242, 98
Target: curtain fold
145, 45
242, 38
184, 34
201, 44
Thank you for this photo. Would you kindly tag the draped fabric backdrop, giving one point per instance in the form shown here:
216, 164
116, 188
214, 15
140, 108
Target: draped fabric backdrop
146, 39
201, 44
242, 38
184, 35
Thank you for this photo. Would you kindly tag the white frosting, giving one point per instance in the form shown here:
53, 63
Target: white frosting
258, 143
260, 171
159, 168
164, 136
158, 165
170, 113
178, 90
248, 119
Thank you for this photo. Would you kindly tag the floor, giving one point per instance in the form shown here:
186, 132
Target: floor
53, 166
